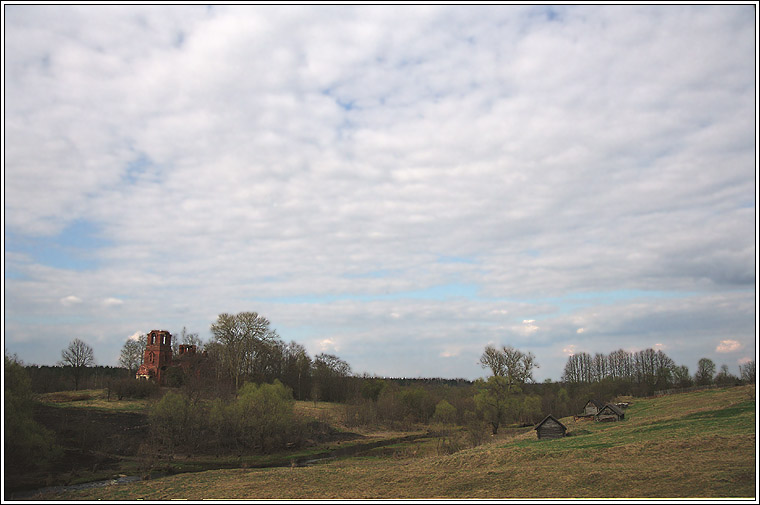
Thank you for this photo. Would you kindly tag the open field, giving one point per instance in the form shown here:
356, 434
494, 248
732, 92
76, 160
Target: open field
96, 399
691, 445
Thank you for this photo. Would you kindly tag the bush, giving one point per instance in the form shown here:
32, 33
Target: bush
260, 419
360, 413
28, 446
175, 421
445, 413
175, 377
133, 388
475, 428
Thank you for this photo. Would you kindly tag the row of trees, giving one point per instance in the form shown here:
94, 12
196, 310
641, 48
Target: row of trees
646, 371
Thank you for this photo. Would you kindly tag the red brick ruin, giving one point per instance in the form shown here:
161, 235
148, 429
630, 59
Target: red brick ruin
158, 356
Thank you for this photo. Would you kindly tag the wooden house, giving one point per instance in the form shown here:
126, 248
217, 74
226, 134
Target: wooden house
550, 428
591, 408
610, 412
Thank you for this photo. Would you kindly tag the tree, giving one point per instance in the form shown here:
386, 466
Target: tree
681, 377
241, 337
132, 353
663, 370
296, 373
705, 372
78, 355
747, 371
600, 367
620, 364
187, 338
496, 398
725, 378
493, 402
515, 366
330, 377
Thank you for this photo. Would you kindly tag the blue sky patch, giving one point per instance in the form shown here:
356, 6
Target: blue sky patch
74, 248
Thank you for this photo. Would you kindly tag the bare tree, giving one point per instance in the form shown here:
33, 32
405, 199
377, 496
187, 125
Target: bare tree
705, 372
297, 369
78, 355
600, 367
330, 377
132, 353
620, 364
747, 371
185, 338
579, 368
241, 337
510, 363
681, 377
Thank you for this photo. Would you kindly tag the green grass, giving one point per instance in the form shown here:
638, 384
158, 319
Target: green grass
691, 445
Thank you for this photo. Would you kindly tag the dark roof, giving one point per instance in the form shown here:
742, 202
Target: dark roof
555, 420
597, 403
614, 408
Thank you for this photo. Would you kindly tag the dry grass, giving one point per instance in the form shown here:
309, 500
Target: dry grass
694, 445
93, 399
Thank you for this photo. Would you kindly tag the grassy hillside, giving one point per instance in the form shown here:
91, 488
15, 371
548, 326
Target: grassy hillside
690, 445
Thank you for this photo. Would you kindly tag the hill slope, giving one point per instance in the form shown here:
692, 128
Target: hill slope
690, 445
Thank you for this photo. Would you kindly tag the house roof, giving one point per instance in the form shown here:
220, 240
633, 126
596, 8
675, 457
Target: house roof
614, 408
550, 417
596, 403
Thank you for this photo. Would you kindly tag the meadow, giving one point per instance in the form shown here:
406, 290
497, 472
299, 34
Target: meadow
691, 445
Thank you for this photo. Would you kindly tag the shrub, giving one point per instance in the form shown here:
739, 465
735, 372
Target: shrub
360, 413
445, 413
175, 377
133, 388
28, 446
261, 418
175, 421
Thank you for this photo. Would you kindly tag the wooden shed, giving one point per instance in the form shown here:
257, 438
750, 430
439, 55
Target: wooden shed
550, 428
592, 408
610, 412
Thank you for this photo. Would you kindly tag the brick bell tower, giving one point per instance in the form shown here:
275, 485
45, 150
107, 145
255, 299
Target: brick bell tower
157, 357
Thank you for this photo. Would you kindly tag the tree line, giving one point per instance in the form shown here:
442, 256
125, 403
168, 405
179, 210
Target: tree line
644, 372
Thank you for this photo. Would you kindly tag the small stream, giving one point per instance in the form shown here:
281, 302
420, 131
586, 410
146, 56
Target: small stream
351, 450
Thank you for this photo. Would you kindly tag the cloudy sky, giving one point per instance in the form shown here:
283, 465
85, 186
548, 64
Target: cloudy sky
397, 185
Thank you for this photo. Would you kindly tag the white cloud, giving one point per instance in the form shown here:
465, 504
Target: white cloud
569, 350
328, 345
70, 300
450, 352
112, 302
136, 335
339, 153
527, 327
728, 346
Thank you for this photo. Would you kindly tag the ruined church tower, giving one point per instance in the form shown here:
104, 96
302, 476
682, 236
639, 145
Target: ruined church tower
157, 357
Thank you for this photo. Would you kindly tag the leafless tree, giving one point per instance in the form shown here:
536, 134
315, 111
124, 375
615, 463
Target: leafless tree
78, 355
132, 353
512, 364
747, 371
241, 336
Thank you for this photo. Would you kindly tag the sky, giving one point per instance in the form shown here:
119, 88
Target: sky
397, 185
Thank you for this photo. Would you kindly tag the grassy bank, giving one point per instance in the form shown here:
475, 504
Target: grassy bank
691, 445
